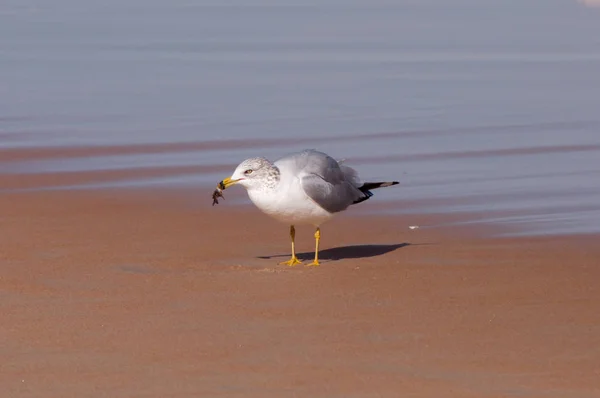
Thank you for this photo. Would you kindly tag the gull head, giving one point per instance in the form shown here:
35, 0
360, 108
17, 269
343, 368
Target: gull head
251, 174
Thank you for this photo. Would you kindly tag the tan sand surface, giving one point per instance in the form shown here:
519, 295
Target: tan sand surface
141, 293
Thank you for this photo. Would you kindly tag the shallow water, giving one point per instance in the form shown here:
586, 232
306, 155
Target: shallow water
474, 107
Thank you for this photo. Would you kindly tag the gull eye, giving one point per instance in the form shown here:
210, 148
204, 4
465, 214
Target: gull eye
248, 172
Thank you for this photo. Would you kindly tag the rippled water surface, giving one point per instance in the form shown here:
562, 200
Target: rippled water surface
475, 106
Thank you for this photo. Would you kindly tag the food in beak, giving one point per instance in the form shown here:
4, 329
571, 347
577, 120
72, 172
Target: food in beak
218, 193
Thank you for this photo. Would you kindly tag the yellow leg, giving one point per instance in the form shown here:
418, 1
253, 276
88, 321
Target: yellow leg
317, 239
294, 260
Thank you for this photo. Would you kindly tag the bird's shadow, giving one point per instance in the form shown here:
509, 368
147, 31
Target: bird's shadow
345, 252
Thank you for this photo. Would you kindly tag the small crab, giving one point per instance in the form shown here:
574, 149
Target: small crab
218, 193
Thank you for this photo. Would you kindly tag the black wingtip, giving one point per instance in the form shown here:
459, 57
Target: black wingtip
365, 188
374, 185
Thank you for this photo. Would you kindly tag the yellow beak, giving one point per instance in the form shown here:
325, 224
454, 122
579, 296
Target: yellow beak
226, 183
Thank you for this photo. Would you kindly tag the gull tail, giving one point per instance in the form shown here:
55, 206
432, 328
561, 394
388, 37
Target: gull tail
367, 186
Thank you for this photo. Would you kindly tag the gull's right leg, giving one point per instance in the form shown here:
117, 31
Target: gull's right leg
294, 260
317, 239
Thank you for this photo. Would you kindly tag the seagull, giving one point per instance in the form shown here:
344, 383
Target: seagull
307, 187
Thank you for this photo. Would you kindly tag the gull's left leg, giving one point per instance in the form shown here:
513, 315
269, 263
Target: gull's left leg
294, 260
317, 239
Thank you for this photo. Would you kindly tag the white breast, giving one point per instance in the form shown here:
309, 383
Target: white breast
288, 203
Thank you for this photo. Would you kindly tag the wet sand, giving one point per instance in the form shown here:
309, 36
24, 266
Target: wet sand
123, 293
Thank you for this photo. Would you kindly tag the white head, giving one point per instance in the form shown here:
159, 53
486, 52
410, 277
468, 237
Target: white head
253, 173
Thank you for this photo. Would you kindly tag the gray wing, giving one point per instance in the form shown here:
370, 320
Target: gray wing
332, 187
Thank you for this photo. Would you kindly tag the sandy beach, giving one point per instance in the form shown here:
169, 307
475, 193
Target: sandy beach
118, 278
149, 293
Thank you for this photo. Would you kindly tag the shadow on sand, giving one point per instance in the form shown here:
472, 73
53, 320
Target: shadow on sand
345, 252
